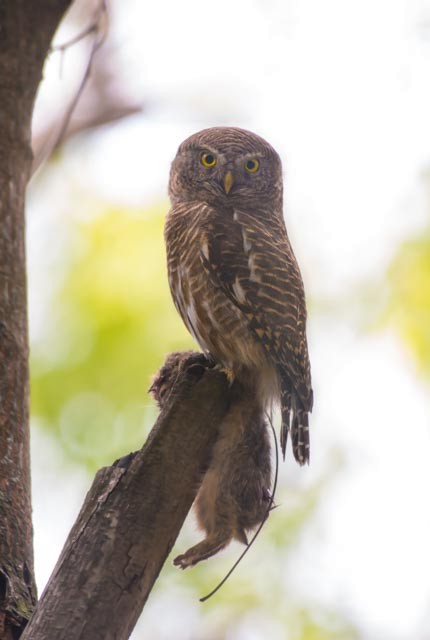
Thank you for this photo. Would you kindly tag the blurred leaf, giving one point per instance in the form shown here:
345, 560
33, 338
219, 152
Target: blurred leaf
318, 625
112, 323
408, 306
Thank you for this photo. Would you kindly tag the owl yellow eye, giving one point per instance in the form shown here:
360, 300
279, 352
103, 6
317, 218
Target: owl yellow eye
208, 160
252, 166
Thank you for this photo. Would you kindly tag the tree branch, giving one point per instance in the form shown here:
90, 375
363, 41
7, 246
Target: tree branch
132, 515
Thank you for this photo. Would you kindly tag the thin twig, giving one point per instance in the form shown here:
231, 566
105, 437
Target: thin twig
98, 26
98, 42
86, 32
269, 509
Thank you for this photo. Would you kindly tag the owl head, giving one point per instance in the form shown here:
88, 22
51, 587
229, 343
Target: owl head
225, 164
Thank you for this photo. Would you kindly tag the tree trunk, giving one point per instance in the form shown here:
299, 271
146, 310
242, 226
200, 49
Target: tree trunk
130, 520
26, 30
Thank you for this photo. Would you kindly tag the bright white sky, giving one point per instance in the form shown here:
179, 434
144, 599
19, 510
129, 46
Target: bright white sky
342, 90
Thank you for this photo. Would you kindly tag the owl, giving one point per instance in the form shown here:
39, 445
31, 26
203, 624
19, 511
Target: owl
233, 275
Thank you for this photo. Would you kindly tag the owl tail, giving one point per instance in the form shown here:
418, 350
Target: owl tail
296, 419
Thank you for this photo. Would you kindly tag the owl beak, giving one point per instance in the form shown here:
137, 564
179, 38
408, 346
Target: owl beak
228, 182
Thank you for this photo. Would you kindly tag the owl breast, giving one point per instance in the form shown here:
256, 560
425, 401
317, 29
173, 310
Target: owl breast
215, 322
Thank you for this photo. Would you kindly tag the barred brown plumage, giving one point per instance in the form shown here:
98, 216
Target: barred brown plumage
233, 274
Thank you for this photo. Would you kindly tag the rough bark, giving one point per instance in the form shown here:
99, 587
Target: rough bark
26, 30
131, 518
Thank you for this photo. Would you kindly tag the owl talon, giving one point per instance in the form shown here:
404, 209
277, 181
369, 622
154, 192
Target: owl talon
228, 374
210, 361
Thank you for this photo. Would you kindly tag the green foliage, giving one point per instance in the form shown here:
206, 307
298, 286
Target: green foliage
408, 307
320, 625
111, 324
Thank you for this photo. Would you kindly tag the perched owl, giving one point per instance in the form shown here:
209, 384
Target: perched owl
233, 275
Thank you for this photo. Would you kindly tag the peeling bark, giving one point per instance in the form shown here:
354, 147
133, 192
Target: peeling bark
26, 30
131, 518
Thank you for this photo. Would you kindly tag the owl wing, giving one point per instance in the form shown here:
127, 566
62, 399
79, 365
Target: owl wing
255, 267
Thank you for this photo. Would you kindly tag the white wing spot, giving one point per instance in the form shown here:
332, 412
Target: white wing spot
191, 313
211, 316
254, 276
246, 242
193, 324
180, 274
205, 249
239, 291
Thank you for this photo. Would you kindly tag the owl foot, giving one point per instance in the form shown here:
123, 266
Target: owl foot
228, 373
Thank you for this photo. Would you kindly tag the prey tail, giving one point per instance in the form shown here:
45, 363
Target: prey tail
295, 419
